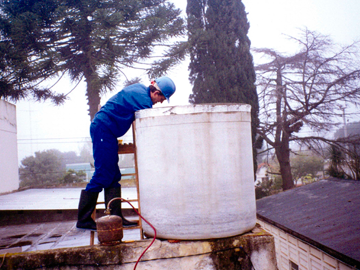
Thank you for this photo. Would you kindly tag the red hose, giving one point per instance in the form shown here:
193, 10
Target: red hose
123, 200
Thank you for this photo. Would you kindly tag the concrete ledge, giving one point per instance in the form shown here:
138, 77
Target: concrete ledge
20, 217
254, 249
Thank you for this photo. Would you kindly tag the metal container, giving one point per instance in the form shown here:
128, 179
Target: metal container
195, 165
109, 230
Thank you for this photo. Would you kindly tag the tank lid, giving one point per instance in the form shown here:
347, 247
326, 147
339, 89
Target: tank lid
191, 109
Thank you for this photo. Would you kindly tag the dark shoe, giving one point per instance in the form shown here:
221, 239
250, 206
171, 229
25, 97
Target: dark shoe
115, 206
87, 206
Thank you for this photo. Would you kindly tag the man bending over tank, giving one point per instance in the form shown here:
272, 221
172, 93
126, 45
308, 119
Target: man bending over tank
112, 121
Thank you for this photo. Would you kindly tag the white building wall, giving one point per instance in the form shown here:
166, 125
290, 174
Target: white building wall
289, 248
260, 174
9, 174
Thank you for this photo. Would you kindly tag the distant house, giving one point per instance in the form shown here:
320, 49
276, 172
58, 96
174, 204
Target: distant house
316, 226
85, 167
263, 173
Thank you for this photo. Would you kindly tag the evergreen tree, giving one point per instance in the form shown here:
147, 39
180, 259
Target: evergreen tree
43, 169
304, 165
221, 65
85, 39
71, 177
337, 158
25, 60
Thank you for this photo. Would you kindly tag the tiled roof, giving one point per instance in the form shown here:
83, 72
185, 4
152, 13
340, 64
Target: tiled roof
325, 214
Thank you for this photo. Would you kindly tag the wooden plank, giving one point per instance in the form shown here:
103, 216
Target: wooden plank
127, 148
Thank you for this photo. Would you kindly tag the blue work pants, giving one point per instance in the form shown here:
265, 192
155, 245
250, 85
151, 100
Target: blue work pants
105, 150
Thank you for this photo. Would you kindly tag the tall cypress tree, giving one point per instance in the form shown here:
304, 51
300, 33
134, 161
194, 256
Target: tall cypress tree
221, 65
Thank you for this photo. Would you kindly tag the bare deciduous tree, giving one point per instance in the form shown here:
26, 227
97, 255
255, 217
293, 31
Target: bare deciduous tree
306, 90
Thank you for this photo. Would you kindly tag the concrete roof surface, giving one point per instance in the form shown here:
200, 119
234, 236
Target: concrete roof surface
51, 235
325, 214
54, 199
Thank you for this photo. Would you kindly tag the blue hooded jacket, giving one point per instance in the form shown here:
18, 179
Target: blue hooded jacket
118, 112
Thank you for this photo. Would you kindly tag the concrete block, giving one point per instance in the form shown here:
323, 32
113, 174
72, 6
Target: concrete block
251, 250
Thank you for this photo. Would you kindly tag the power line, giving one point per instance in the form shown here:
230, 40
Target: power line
44, 139
60, 140
50, 142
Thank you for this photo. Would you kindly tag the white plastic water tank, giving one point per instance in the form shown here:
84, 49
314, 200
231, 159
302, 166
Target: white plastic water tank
195, 165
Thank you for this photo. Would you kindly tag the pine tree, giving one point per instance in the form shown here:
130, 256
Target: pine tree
25, 58
87, 39
221, 65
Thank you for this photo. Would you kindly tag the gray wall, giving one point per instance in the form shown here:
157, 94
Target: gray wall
9, 174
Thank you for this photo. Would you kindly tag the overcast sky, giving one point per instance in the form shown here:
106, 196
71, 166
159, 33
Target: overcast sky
44, 126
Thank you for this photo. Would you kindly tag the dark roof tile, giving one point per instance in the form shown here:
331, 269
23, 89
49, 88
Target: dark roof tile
325, 213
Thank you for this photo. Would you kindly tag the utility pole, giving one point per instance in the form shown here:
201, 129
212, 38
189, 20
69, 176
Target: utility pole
345, 127
345, 135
